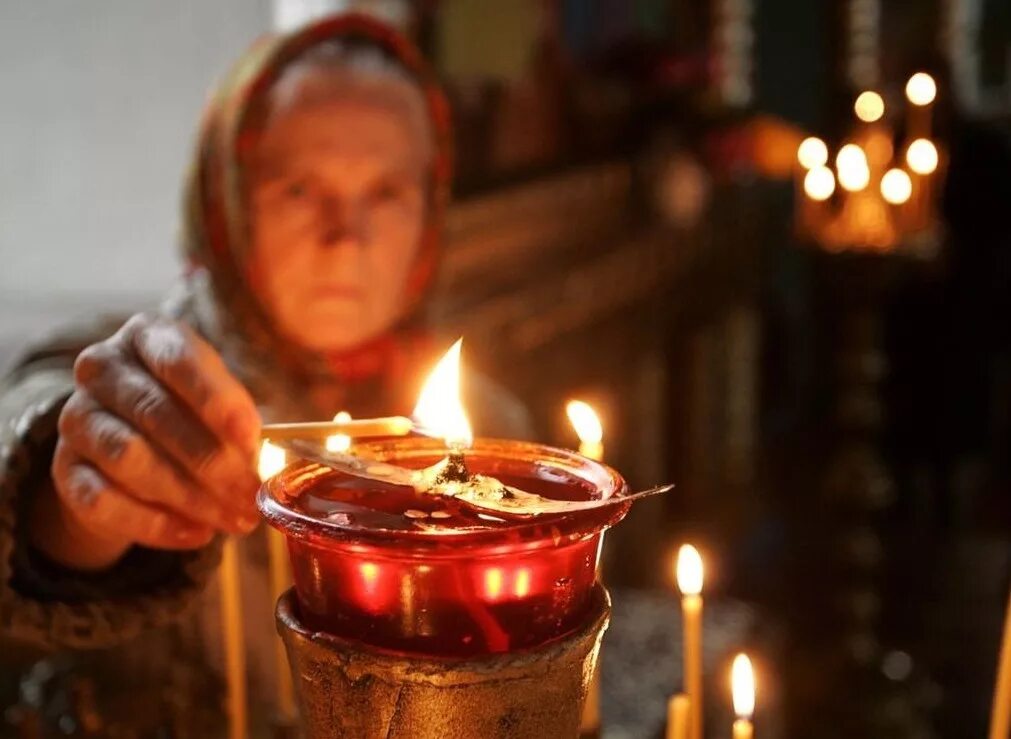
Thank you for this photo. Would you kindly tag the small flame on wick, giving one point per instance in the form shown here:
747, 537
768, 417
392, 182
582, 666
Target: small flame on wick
272, 460
585, 421
439, 409
689, 570
339, 442
742, 684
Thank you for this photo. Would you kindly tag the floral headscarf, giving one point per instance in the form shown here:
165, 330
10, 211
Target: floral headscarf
216, 235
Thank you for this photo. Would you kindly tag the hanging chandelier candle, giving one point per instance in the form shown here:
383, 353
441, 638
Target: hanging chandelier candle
882, 193
443, 585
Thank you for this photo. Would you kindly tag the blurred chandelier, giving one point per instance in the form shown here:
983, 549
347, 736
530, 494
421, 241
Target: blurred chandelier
882, 192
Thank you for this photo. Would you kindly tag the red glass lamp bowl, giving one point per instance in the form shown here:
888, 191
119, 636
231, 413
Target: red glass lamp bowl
377, 575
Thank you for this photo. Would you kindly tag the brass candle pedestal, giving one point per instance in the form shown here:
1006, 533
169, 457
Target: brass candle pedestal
347, 689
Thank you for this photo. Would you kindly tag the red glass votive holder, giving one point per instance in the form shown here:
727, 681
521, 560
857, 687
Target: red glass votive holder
373, 564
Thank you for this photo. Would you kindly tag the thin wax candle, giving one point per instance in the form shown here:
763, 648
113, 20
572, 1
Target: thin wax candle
689, 577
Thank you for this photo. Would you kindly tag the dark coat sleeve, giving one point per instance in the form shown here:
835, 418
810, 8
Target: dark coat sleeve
42, 603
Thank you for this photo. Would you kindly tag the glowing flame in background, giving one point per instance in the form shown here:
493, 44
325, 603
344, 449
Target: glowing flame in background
272, 460
742, 685
921, 156
921, 89
812, 153
585, 421
819, 183
851, 164
896, 187
869, 106
439, 410
689, 570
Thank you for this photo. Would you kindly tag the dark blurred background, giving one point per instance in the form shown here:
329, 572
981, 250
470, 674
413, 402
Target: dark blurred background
628, 230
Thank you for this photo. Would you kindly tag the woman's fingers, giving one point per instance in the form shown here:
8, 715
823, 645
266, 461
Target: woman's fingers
128, 391
123, 456
194, 372
100, 506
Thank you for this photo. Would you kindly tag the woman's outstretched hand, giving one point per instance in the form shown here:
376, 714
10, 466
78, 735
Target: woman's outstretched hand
157, 446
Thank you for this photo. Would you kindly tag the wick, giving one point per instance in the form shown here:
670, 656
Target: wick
456, 468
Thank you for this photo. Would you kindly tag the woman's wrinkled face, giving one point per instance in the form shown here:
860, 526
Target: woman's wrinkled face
338, 193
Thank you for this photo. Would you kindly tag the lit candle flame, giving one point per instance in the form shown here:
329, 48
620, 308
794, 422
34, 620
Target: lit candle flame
869, 106
896, 187
689, 570
819, 183
921, 89
812, 153
440, 410
742, 683
339, 442
272, 460
586, 422
921, 156
851, 164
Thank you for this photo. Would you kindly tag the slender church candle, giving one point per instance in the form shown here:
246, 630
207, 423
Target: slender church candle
1000, 717
234, 639
742, 685
690, 577
591, 434
272, 461
678, 716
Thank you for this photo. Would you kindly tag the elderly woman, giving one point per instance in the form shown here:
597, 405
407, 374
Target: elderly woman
312, 226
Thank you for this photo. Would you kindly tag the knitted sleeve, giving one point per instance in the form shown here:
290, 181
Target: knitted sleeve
41, 602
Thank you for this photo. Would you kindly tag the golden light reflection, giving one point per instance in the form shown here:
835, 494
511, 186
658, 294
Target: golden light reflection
272, 460
819, 183
339, 442
921, 156
869, 106
440, 410
493, 583
742, 683
370, 574
812, 153
689, 570
521, 586
879, 149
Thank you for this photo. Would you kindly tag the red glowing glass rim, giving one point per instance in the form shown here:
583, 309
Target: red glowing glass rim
419, 452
